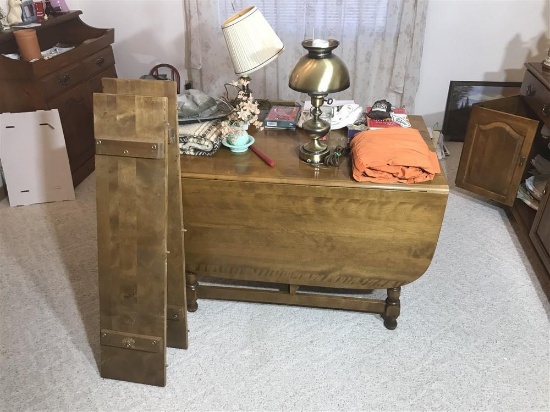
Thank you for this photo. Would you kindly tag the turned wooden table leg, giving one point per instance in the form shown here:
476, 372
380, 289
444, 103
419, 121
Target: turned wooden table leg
393, 308
191, 286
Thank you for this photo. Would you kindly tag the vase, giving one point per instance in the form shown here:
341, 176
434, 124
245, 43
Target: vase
28, 44
239, 136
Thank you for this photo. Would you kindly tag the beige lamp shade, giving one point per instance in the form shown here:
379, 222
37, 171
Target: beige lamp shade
251, 41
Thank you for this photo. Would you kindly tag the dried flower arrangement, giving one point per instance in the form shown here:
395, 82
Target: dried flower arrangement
2, 17
245, 112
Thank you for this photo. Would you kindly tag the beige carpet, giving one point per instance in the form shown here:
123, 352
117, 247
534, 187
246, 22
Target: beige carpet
473, 334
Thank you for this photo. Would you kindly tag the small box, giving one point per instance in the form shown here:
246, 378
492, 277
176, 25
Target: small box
282, 117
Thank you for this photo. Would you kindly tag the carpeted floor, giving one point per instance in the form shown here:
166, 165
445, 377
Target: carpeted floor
473, 334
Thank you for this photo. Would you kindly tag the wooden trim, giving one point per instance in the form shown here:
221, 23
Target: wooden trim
298, 299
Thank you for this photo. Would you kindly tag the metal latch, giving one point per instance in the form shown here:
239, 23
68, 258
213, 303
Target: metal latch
131, 341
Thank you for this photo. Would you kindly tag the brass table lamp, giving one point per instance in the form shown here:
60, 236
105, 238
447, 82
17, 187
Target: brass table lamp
318, 73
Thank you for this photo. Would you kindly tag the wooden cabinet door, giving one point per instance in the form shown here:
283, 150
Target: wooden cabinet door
540, 230
496, 150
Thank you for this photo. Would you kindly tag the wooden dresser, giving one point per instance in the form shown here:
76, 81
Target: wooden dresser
65, 82
503, 138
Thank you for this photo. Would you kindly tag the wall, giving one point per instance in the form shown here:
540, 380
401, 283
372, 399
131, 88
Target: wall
465, 40
478, 40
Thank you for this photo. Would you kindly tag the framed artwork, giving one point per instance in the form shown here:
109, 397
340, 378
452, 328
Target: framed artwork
461, 97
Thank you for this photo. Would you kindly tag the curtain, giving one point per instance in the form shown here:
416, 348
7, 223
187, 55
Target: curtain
380, 42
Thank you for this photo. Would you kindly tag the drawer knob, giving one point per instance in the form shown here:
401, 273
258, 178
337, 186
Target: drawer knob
546, 109
100, 61
65, 80
530, 90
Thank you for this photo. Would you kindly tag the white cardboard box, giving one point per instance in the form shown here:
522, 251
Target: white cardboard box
34, 158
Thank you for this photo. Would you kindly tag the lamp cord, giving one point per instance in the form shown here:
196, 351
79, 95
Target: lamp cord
333, 159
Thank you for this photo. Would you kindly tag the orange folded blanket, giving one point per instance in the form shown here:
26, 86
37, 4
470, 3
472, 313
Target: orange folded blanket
392, 155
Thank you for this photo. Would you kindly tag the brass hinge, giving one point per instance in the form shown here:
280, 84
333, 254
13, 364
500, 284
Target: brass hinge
129, 149
131, 341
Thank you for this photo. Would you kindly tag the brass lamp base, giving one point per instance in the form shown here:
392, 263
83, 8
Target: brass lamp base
313, 158
315, 151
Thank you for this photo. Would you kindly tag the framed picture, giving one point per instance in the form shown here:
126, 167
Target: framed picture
461, 97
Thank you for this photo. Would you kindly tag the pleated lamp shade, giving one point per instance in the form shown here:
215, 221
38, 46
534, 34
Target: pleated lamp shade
251, 41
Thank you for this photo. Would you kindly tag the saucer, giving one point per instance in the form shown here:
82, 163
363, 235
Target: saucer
240, 148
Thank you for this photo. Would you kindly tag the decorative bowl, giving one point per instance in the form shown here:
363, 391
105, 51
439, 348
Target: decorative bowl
238, 148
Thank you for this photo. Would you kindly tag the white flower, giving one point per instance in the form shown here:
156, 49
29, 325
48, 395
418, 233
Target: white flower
245, 112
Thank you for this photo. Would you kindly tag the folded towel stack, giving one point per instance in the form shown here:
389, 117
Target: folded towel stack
392, 155
200, 139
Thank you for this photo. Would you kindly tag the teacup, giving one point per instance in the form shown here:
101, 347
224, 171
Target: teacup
238, 139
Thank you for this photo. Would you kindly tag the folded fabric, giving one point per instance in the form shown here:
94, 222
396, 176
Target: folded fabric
194, 102
392, 155
200, 139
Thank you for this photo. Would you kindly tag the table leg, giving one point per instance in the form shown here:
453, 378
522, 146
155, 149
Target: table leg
393, 307
191, 286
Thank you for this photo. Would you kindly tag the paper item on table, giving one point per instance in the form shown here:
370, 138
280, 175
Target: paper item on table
344, 113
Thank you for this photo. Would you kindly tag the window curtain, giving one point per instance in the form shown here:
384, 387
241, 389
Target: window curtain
380, 42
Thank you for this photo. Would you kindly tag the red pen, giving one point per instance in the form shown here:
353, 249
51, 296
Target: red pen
262, 156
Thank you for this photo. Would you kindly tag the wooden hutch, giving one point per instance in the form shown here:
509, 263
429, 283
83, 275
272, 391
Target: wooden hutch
65, 82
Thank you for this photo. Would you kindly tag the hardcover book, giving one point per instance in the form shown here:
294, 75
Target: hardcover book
282, 117
398, 118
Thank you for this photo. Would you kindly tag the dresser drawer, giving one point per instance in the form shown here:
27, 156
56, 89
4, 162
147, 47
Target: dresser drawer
98, 62
62, 80
70, 76
537, 96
